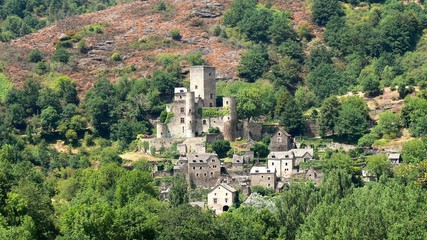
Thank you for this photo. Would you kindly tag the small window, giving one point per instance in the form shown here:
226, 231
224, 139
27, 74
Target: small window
226, 102
272, 164
210, 74
194, 168
205, 174
211, 173
226, 194
197, 174
286, 164
210, 104
204, 122
215, 200
269, 184
182, 110
279, 139
196, 88
262, 176
257, 171
226, 200
279, 133
180, 97
268, 178
201, 168
182, 120
211, 96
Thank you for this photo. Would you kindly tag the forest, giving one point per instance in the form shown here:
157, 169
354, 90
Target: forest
287, 74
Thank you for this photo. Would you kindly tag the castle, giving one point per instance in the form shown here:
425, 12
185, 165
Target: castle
192, 113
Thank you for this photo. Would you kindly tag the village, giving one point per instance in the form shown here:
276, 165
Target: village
188, 128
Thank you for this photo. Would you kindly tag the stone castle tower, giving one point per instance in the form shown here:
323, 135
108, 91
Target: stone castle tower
194, 112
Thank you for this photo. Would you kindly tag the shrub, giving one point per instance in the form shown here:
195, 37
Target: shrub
176, 34
195, 58
217, 31
35, 56
61, 55
116, 57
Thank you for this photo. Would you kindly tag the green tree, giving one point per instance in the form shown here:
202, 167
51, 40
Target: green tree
281, 28
255, 24
323, 10
260, 150
379, 165
389, 124
253, 63
249, 102
414, 151
221, 147
325, 81
49, 118
178, 193
329, 114
290, 114
35, 56
353, 118
371, 84
237, 11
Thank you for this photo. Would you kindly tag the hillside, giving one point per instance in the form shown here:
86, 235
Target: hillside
138, 32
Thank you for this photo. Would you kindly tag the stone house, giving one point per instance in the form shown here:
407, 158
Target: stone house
202, 170
263, 176
239, 160
287, 163
395, 158
315, 175
368, 176
221, 198
281, 141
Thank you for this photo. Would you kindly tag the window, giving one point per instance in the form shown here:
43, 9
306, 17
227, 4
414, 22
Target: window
226, 102
201, 168
182, 120
182, 110
194, 168
226, 200
272, 164
215, 200
213, 160
279, 139
211, 96
204, 122
196, 88
286, 164
226, 194
268, 178
197, 174
180, 97
262, 176
279, 133
210, 104
205, 174
211, 173
269, 184
183, 130
210, 74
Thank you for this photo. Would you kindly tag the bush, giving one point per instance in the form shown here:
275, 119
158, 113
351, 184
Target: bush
35, 56
116, 57
176, 34
61, 55
217, 31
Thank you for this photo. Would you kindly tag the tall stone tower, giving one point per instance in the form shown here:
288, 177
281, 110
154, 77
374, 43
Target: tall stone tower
230, 120
202, 83
190, 115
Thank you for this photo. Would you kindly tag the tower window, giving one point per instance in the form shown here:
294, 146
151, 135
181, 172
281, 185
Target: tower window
204, 122
211, 96
182, 120
182, 109
195, 87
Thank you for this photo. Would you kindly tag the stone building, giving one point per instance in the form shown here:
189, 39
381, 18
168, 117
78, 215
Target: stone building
221, 198
281, 141
202, 170
241, 159
287, 163
315, 175
395, 158
194, 112
263, 176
